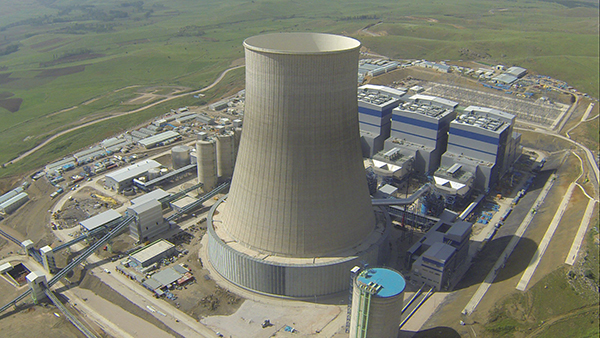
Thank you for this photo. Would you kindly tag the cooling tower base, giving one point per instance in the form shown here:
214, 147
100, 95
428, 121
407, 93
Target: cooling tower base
286, 276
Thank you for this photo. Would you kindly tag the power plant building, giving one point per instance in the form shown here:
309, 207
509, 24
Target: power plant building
148, 220
298, 215
483, 142
375, 104
437, 255
152, 253
420, 127
377, 302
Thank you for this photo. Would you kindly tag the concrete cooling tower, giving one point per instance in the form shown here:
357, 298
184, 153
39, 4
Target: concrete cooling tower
298, 215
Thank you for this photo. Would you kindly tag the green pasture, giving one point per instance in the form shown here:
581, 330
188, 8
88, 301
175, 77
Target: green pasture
188, 43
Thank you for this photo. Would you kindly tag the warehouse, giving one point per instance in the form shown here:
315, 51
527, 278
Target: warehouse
102, 219
123, 178
159, 139
13, 203
58, 165
152, 253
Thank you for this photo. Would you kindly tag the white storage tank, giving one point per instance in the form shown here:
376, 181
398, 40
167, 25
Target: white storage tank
180, 156
225, 154
207, 161
153, 173
377, 301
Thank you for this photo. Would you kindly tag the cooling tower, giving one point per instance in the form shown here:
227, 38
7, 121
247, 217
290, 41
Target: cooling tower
298, 210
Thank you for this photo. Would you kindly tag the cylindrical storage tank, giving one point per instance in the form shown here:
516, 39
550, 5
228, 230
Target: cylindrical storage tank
299, 187
207, 162
377, 301
180, 156
153, 173
225, 154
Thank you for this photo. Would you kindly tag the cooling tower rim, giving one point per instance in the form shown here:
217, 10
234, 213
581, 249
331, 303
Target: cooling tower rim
301, 43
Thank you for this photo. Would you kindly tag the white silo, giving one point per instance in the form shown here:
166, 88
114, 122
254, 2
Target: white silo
299, 195
180, 156
207, 161
225, 154
153, 173
377, 301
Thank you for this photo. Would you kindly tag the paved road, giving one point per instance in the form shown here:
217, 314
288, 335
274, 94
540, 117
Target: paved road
52, 138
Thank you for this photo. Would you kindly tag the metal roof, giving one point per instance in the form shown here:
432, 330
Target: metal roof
153, 195
167, 276
133, 170
152, 250
505, 78
152, 140
148, 205
440, 251
100, 219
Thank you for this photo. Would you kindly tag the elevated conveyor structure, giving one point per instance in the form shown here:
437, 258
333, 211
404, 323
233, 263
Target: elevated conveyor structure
78, 324
199, 202
402, 201
10, 238
62, 273
87, 235
180, 194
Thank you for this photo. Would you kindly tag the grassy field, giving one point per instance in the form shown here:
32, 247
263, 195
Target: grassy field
57, 55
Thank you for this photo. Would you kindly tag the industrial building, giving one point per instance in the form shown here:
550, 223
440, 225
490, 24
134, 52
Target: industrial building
13, 203
164, 138
375, 104
519, 72
156, 195
377, 302
436, 256
123, 178
148, 221
482, 141
152, 253
298, 215
58, 166
420, 129
102, 219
